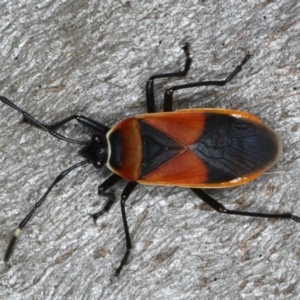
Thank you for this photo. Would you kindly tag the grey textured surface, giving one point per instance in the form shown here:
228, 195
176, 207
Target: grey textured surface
93, 58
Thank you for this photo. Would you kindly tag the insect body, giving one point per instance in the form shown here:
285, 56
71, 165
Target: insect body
192, 148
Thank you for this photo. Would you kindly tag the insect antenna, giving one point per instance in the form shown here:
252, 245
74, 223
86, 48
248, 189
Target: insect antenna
37, 204
34, 121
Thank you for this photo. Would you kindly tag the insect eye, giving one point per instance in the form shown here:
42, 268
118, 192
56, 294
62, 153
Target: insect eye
96, 138
97, 164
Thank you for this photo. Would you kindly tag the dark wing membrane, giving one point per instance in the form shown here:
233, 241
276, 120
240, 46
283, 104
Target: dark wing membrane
233, 147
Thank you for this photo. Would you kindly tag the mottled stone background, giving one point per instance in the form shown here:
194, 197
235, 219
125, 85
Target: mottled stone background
93, 58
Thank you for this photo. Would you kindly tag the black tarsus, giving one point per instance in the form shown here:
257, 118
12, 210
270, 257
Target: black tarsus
10, 248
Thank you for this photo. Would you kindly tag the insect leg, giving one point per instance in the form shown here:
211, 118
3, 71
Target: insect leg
100, 128
168, 98
221, 209
94, 125
37, 123
150, 83
109, 182
126, 193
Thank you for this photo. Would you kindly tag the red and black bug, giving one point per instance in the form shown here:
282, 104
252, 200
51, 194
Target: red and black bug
193, 148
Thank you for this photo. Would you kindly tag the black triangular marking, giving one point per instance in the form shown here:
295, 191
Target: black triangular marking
158, 148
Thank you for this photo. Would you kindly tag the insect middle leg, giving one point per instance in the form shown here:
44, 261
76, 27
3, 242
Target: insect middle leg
150, 83
109, 182
168, 98
126, 193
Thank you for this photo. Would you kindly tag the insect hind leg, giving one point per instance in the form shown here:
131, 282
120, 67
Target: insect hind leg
214, 204
150, 99
168, 98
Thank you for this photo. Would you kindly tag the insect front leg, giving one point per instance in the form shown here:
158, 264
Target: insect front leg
108, 183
